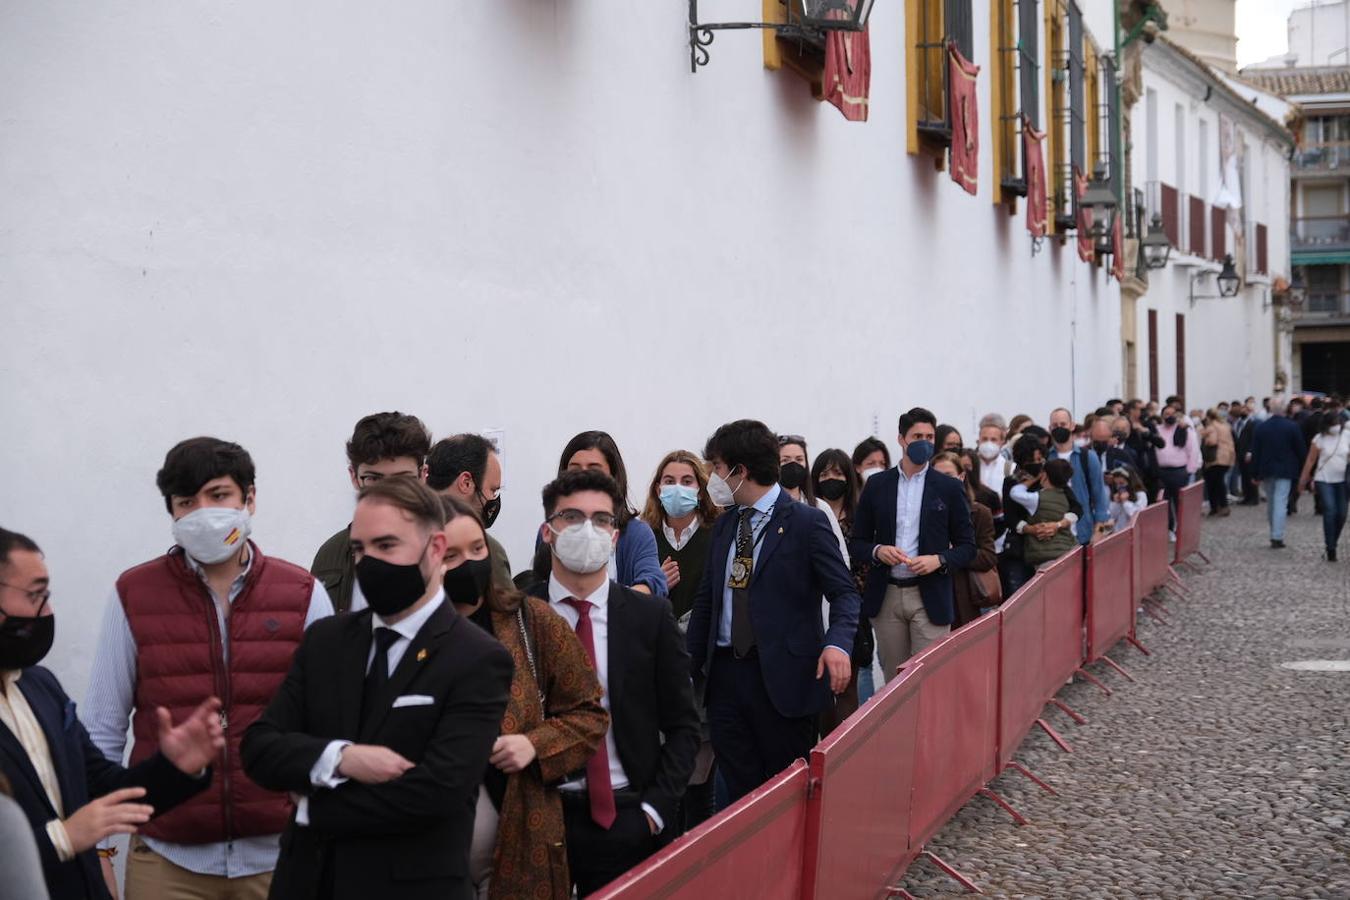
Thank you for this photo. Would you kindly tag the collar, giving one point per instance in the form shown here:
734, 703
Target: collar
917, 476
766, 503
409, 627
200, 572
9, 678
689, 531
599, 599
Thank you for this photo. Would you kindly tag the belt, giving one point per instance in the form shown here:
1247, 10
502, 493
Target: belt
730, 653
904, 582
623, 798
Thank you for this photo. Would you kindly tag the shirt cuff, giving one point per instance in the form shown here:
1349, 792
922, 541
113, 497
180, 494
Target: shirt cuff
836, 647
656, 817
302, 811
324, 774
56, 832
1071, 518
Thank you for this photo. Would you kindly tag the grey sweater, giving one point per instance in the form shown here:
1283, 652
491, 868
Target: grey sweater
19, 858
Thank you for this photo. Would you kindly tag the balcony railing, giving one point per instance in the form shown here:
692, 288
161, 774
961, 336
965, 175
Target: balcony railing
1320, 233
1324, 308
1330, 156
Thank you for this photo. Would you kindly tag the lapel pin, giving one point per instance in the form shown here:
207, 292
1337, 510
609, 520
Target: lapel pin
780, 529
422, 654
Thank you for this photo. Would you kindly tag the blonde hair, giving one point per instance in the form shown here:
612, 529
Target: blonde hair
654, 514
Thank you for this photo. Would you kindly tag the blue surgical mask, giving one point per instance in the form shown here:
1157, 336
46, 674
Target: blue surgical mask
919, 452
679, 500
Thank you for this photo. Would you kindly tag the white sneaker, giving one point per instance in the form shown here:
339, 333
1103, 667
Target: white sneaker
1171, 537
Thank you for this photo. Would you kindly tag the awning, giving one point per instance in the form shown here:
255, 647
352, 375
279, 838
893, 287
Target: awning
1321, 258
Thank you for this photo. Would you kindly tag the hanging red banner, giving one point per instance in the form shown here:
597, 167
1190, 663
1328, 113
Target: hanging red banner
848, 72
964, 115
1080, 186
1034, 156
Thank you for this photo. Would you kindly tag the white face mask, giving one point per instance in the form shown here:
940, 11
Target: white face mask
1080, 443
722, 493
870, 471
212, 534
583, 548
989, 451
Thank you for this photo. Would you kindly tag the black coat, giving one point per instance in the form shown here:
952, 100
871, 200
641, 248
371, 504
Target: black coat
406, 838
83, 774
651, 700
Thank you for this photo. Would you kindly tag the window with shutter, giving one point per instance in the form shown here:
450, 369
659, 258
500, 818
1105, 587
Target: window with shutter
1015, 49
1181, 356
929, 25
1153, 354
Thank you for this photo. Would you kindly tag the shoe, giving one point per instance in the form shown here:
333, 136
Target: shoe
1278, 545
1224, 511
1331, 555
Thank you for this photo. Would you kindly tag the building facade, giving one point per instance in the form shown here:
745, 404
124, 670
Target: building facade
1214, 168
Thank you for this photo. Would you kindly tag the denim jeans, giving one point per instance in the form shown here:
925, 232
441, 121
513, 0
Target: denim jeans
1277, 493
1334, 497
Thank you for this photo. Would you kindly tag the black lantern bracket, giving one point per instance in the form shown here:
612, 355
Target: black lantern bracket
1226, 277
701, 34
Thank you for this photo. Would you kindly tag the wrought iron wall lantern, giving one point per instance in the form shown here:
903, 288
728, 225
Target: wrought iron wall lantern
1228, 280
1100, 201
1157, 248
805, 19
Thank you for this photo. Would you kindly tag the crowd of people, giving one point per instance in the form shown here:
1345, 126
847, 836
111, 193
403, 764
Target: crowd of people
413, 716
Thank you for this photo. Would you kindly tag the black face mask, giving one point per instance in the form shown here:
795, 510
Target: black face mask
1033, 469
1122, 437
389, 589
792, 475
832, 489
25, 640
467, 582
1101, 446
1170, 420
1060, 435
491, 509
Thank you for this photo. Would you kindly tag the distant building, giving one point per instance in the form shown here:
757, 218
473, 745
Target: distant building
1207, 28
1319, 35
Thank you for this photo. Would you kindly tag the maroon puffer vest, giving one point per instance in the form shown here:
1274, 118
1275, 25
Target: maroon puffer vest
180, 663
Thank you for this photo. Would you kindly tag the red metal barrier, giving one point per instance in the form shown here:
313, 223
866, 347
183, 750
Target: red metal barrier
1062, 654
755, 848
1110, 592
1022, 636
957, 728
858, 827
1150, 550
1188, 522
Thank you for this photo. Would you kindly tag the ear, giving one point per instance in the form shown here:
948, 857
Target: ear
546, 534
250, 499
464, 484
356, 485
437, 545
422, 473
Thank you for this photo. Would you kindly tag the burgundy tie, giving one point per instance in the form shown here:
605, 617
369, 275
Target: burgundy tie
597, 770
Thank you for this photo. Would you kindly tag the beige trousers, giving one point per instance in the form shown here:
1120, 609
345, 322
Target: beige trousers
152, 877
902, 628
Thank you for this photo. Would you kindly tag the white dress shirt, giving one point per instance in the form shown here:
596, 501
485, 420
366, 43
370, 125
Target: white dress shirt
18, 717
908, 507
324, 773
599, 615
677, 541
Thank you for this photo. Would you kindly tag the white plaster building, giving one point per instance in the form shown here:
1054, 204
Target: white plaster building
261, 221
1216, 168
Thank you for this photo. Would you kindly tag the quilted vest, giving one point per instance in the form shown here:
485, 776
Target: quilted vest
180, 662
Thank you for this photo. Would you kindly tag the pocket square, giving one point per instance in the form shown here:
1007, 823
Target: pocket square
414, 700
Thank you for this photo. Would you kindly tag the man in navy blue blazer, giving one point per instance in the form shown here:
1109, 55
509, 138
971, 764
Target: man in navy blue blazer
72, 796
762, 660
1277, 455
914, 525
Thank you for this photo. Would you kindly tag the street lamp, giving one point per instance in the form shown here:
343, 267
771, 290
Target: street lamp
1228, 279
1100, 201
1157, 248
830, 15
806, 19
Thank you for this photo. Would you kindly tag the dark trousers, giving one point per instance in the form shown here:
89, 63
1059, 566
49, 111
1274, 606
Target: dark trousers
1013, 572
752, 741
1216, 487
1173, 480
1335, 500
1251, 494
597, 856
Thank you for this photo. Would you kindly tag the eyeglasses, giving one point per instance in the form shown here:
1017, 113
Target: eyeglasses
38, 597
365, 479
569, 517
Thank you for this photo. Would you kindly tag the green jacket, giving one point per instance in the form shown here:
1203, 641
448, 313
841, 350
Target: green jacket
334, 567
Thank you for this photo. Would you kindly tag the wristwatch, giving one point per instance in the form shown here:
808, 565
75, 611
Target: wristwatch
942, 564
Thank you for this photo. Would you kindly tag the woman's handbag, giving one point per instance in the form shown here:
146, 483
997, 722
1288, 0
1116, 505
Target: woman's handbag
987, 587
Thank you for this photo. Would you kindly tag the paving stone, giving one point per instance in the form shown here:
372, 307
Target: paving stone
1217, 773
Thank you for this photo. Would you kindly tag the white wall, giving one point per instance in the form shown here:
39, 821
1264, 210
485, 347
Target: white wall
261, 221
1230, 343
1319, 34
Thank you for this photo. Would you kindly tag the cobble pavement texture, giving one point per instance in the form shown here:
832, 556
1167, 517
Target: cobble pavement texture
1217, 773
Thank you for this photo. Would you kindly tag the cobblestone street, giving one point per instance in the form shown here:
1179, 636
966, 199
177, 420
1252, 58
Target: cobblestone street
1218, 773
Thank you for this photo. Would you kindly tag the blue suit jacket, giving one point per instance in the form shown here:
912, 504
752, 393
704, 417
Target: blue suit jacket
799, 562
1278, 449
944, 529
83, 774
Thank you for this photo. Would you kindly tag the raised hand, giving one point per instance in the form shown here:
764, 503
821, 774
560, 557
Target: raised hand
192, 745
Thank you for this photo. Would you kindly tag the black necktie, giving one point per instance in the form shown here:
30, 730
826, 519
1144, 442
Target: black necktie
742, 633
378, 676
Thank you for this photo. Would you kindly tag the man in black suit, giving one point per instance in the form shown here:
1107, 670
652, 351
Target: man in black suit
384, 725
72, 796
760, 653
913, 524
624, 804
